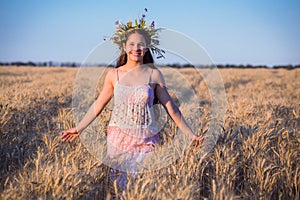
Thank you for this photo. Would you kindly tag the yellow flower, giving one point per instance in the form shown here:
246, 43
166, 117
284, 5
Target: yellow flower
129, 24
136, 23
143, 24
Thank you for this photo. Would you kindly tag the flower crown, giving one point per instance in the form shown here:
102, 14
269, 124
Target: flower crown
121, 29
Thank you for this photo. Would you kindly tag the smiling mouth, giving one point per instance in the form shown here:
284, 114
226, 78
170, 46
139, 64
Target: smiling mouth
136, 54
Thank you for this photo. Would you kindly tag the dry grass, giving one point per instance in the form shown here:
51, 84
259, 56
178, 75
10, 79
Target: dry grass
257, 156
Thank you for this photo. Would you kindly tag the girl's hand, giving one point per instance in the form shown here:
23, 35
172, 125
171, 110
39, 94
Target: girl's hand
197, 140
69, 135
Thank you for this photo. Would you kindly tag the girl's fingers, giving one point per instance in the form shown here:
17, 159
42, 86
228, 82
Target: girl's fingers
73, 138
198, 140
68, 136
65, 134
65, 138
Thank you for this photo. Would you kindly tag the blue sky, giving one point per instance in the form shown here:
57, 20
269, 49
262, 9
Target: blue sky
234, 32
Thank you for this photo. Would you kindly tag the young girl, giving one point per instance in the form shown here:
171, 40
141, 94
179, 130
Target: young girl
134, 83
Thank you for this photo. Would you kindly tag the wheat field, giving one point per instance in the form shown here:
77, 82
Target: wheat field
256, 157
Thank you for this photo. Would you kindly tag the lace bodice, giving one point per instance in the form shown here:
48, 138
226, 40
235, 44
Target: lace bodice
133, 109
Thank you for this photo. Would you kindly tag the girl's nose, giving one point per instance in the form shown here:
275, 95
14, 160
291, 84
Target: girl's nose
137, 48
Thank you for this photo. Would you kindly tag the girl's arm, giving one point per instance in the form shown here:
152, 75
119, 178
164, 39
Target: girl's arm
94, 110
171, 108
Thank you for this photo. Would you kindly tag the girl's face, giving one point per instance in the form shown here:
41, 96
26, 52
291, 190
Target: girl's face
135, 47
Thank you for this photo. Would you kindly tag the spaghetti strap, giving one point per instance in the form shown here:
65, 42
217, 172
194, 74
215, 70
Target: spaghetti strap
117, 75
150, 77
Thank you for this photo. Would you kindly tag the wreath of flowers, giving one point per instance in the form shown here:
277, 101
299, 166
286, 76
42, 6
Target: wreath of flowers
121, 29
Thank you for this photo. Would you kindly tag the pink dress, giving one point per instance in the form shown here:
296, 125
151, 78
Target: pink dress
132, 129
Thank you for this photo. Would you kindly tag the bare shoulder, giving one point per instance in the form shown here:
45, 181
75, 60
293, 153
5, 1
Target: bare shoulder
111, 72
111, 75
158, 77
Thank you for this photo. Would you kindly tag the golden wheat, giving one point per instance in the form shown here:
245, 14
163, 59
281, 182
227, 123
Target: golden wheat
256, 157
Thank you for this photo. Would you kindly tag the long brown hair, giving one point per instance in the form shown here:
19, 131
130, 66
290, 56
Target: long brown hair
122, 60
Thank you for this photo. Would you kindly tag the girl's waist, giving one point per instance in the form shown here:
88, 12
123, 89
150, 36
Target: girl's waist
137, 131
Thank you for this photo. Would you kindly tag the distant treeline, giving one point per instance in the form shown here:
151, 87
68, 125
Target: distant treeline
237, 66
41, 64
74, 64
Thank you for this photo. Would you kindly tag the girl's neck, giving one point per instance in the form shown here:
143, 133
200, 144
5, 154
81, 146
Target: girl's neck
132, 65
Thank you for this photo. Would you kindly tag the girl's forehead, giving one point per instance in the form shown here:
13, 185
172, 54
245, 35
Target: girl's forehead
134, 37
